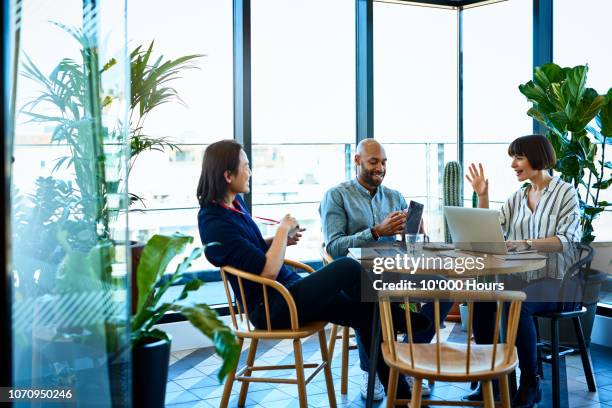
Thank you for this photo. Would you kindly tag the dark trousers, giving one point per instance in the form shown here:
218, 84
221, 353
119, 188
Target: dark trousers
333, 294
419, 336
526, 338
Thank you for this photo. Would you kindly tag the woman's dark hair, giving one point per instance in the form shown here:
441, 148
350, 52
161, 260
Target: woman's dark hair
537, 149
219, 157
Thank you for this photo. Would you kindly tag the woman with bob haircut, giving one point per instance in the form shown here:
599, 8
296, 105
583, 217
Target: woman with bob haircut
332, 294
543, 215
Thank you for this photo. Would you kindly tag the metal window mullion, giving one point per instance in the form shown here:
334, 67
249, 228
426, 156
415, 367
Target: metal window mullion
242, 81
460, 86
364, 69
542, 41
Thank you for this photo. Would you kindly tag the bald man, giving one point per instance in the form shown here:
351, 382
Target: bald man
361, 211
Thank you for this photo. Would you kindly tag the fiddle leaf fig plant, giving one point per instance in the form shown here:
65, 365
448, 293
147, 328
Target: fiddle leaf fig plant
157, 254
567, 108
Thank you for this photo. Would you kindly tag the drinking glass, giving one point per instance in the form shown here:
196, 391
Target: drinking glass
414, 243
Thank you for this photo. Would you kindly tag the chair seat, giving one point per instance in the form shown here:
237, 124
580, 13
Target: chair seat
561, 315
452, 361
302, 331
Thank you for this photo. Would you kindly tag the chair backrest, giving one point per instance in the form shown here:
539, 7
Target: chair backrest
500, 297
325, 256
239, 310
576, 276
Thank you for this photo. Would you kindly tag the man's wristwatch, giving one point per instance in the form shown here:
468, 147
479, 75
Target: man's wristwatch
374, 234
529, 243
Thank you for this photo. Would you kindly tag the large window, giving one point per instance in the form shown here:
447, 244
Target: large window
303, 118
497, 57
581, 36
204, 114
415, 99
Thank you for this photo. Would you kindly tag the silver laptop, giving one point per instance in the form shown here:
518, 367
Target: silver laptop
476, 229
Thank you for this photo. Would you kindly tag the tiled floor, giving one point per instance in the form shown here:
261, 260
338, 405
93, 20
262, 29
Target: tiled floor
193, 383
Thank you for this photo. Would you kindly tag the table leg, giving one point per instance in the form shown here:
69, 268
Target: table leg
374, 348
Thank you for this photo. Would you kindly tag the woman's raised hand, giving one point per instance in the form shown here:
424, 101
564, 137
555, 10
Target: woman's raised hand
480, 184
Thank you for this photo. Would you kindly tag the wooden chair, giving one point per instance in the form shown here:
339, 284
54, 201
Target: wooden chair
578, 272
445, 361
244, 329
333, 337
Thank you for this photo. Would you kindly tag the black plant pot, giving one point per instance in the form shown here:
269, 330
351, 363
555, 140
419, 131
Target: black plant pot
150, 360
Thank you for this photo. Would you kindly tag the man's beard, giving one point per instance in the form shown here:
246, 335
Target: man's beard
368, 176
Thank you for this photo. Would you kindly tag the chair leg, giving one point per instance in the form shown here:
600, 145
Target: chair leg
504, 390
244, 388
229, 381
333, 335
538, 348
487, 393
512, 383
554, 339
392, 387
331, 395
415, 401
345, 358
584, 355
299, 371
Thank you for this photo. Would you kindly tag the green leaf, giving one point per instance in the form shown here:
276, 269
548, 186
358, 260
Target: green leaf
190, 286
548, 74
207, 321
156, 255
603, 185
587, 108
573, 88
158, 334
569, 166
537, 96
604, 119
112, 62
592, 211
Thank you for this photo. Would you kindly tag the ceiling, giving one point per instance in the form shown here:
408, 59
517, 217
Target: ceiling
459, 4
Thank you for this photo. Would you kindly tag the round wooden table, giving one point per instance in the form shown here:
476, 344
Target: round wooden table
491, 266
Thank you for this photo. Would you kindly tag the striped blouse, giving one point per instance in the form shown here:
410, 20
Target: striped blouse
556, 214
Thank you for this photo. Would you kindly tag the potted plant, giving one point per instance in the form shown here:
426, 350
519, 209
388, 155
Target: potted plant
151, 346
566, 108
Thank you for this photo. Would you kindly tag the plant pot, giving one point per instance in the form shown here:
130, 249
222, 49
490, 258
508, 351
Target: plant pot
150, 361
463, 311
453, 314
567, 337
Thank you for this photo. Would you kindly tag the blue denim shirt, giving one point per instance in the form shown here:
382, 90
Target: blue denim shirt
348, 211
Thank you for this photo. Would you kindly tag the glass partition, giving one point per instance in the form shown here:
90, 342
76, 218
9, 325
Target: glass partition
69, 259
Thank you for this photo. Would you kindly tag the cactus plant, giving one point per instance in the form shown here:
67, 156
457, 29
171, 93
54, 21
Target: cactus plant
453, 190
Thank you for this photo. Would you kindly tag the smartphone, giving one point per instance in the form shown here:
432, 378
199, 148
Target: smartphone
415, 214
